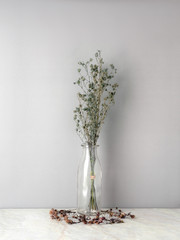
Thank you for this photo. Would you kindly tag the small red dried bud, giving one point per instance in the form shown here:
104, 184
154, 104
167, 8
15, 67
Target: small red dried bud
122, 215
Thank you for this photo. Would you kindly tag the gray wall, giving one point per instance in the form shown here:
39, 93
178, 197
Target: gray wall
41, 42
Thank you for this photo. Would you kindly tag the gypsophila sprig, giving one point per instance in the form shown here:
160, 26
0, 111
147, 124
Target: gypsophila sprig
98, 89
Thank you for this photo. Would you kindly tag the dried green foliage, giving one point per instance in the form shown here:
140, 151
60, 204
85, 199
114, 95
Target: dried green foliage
95, 98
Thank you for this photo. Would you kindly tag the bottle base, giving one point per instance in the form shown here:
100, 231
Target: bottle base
87, 212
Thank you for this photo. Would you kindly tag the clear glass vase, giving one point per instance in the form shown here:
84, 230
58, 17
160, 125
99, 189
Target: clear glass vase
89, 181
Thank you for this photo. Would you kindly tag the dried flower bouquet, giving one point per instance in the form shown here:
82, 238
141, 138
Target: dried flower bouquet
97, 91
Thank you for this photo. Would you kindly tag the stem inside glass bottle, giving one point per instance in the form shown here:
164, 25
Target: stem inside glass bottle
92, 201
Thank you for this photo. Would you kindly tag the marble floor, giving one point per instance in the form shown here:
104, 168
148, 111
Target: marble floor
35, 224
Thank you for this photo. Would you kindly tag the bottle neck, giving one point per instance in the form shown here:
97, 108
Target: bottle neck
90, 149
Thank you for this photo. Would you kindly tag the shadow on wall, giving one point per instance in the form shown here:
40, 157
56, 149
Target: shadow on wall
114, 191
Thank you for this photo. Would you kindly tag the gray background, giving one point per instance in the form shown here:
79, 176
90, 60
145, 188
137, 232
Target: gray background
41, 42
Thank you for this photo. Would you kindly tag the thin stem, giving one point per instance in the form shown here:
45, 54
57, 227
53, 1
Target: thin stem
92, 203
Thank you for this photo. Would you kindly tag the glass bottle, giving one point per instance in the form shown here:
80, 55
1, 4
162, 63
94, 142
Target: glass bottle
89, 181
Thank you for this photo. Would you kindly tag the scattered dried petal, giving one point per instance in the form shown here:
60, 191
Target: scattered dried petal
105, 217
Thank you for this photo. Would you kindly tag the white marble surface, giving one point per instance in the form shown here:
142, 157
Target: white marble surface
35, 224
